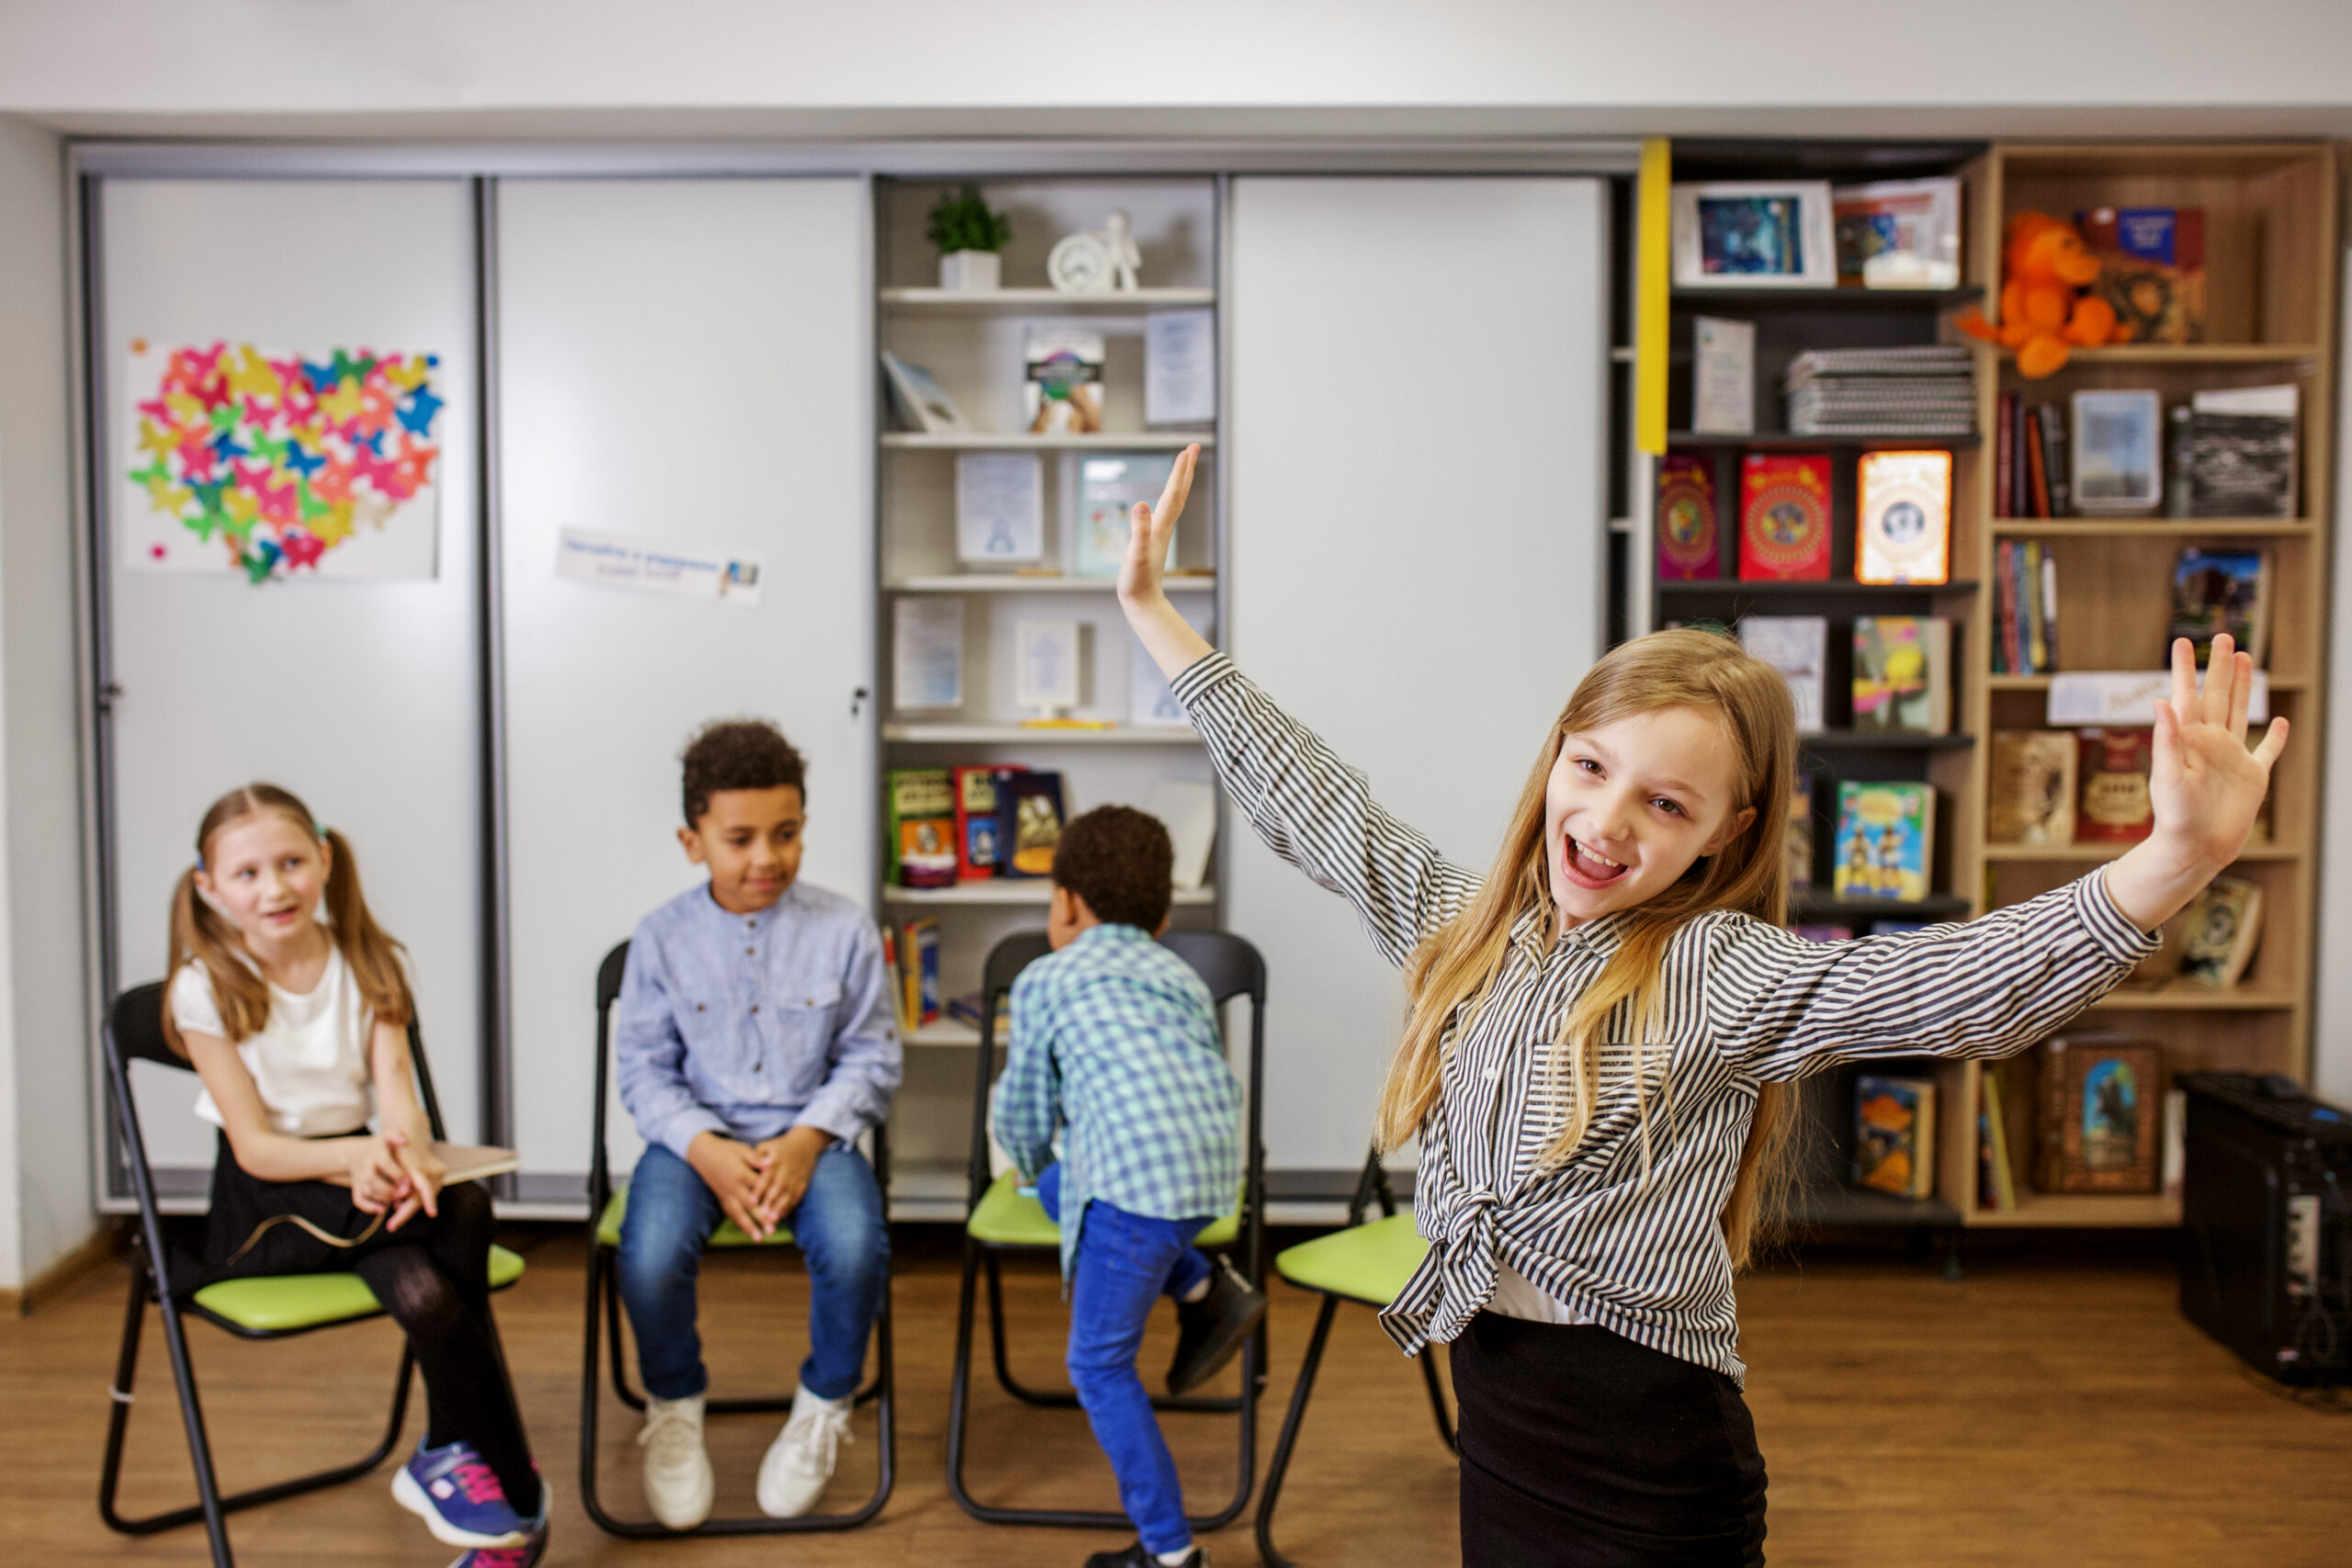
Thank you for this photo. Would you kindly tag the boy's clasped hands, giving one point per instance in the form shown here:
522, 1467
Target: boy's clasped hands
758, 1184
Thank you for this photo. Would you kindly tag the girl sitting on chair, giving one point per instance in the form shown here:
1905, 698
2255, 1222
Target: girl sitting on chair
299, 1030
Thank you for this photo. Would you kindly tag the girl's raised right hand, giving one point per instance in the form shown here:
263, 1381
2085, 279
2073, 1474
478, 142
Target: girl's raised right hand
1165, 634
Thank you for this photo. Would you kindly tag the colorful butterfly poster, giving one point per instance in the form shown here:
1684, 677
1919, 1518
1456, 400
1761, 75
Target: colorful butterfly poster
275, 467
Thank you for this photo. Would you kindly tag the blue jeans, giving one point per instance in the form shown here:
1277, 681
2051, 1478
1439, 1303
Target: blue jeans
1126, 1263
840, 1230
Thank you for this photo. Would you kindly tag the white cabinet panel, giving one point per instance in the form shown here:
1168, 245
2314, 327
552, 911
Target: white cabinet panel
1418, 549
360, 695
684, 361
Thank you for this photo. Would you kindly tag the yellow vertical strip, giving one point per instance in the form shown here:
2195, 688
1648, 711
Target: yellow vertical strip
1653, 235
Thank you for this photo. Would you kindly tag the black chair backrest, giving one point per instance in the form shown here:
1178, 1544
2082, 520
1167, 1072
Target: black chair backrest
1227, 965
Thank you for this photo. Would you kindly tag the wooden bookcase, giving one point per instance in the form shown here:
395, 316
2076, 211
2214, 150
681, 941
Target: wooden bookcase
2270, 259
2271, 267
971, 341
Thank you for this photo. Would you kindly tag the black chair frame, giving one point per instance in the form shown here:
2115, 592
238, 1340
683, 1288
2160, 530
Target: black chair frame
1232, 969
1371, 1187
603, 1322
134, 1030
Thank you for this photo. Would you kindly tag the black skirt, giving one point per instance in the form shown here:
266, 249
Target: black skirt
1583, 1450
241, 1203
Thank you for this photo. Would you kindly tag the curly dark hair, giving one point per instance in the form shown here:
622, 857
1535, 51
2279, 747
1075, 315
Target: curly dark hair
1118, 860
738, 753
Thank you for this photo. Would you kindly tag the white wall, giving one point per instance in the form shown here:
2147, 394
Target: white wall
2332, 1012
45, 1199
1579, 63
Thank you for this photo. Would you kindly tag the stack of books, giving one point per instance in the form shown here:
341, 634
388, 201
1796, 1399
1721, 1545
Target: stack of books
1926, 390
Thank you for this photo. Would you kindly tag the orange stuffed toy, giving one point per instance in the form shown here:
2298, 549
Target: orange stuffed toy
2044, 316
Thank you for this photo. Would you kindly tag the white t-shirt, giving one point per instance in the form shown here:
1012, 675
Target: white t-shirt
1516, 1295
310, 1061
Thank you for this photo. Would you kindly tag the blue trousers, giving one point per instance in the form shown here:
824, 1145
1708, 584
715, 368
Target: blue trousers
1126, 1263
840, 1230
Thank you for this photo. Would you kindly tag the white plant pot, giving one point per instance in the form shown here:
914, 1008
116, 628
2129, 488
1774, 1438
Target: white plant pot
969, 269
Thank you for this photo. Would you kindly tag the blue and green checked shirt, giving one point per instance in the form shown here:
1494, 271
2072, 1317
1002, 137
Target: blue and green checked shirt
1116, 1038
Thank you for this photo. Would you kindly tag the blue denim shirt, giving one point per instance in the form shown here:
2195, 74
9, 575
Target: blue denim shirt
750, 1025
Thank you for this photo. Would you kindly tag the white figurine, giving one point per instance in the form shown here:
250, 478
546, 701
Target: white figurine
1119, 240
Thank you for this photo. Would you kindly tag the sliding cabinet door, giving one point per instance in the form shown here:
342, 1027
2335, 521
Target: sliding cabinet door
1417, 550
289, 367
682, 364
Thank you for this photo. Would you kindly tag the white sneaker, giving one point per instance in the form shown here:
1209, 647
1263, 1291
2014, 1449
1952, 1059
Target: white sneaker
678, 1484
800, 1461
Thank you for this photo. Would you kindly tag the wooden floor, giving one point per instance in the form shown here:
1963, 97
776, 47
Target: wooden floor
2043, 1410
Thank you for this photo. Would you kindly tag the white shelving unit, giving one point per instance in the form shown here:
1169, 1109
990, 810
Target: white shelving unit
971, 342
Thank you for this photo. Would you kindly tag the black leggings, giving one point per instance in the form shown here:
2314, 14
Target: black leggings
432, 1276
1583, 1450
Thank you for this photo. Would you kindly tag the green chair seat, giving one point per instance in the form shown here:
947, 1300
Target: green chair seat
1368, 1263
729, 1234
1009, 1217
281, 1304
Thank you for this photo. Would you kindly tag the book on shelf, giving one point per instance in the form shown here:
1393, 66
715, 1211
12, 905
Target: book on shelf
2221, 591
1905, 531
1028, 823
2057, 495
1901, 928
1000, 508
1997, 1139
967, 1009
921, 827
1894, 1134
2240, 457
919, 400
1187, 809
1885, 841
2221, 933
1796, 843
1902, 674
2029, 787
2129, 697
1108, 487
2172, 1161
1798, 647
1689, 541
2037, 467
1723, 377
2115, 448
2115, 807
1784, 517
918, 974
926, 652
1180, 367
976, 840
1062, 387
2024, 597
1816, 932
2101, 1099
898, 974
2151, 269
2004, 454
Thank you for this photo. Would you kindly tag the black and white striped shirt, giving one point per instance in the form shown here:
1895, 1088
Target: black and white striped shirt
1743, 1003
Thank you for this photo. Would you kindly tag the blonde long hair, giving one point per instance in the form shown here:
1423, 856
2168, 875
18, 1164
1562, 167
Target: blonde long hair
1452, 973
200, 932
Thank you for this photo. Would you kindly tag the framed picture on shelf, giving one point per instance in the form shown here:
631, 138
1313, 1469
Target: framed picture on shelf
2115, 456
1755, 234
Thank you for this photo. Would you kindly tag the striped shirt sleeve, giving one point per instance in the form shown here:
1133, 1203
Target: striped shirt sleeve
1318, 814
1780, 1006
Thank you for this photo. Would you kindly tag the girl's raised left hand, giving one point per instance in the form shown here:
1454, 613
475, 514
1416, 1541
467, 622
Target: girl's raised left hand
2205, 788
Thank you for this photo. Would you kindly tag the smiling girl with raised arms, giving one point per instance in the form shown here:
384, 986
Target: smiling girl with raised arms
1601, 1033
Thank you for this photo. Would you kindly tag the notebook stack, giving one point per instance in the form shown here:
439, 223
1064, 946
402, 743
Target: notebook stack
1928, 390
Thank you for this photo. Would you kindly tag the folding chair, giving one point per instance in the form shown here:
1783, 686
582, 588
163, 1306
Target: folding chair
1367, 1263
1002, 1219
607, 1204
267, 1307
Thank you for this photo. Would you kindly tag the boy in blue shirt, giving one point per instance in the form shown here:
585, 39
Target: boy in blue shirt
1116, 1044
757, 1041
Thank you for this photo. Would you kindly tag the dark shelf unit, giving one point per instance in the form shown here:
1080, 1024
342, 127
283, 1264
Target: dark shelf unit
1781, 441
1777, 588
1810, 904
1898, 299
1883, 740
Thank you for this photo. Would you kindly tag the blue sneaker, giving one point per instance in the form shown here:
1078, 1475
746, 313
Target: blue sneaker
459, 1499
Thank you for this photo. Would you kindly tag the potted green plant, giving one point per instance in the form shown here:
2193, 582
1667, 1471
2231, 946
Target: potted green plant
969, 234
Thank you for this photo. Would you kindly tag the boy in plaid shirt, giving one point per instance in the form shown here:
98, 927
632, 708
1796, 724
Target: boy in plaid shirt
1114, 1041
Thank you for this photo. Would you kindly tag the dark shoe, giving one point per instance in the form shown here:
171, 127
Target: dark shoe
1133, 1556
1210, 1330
